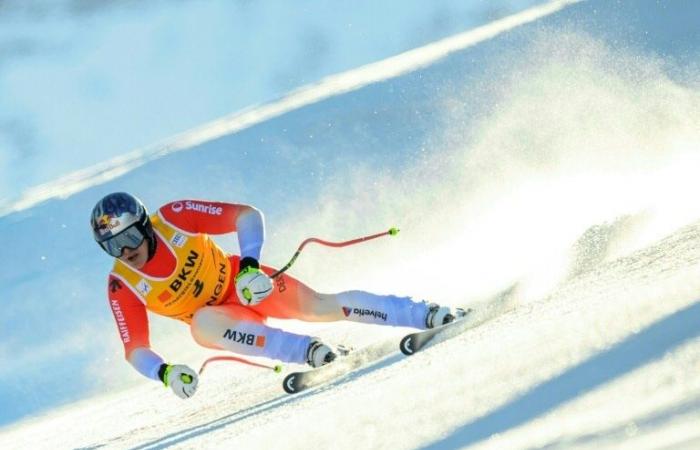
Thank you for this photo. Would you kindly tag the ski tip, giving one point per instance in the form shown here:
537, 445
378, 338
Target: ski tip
277, 368
406, 345
289, 384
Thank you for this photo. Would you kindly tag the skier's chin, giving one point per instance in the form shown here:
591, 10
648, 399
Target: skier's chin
135, 260
136, 264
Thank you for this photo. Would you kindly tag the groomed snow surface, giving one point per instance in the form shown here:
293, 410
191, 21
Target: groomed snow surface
558, 152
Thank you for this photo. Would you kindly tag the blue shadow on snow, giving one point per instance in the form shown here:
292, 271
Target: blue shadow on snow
635, 351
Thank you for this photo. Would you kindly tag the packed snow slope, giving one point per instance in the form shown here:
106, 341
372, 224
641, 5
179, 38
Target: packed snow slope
558, 152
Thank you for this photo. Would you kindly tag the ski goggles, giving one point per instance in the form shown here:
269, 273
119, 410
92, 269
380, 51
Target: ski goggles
131, 238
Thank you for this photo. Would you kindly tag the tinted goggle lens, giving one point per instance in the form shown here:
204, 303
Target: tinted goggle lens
132, 237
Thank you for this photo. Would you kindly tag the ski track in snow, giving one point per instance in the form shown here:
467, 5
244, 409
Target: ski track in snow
603, 355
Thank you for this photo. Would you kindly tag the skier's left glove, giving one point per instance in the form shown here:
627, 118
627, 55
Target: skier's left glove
181, 379
252, 284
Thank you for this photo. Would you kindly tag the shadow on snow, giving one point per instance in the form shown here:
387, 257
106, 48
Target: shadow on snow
193, 432
632, 353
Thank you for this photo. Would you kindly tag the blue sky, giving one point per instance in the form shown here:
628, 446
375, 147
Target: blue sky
82, 83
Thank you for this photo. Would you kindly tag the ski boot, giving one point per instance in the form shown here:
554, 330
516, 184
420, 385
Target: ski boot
441, 315
319, 354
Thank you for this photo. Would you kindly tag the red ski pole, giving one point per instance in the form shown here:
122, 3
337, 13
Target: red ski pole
390, 232
278, 368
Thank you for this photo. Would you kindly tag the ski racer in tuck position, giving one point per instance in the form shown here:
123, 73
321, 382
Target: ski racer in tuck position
167, 263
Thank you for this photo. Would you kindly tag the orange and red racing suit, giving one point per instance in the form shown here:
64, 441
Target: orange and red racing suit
191, 279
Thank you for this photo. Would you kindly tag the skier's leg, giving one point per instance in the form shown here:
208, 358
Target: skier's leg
292, 299
238, 329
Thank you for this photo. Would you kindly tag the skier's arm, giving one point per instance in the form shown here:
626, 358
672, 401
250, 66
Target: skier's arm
195, 216
251, 232
252, 284
132, 325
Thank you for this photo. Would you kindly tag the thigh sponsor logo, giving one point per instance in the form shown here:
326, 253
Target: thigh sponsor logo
364, 312
281, 285
245, 338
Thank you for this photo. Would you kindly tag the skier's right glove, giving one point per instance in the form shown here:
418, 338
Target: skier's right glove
252, 284
181, 379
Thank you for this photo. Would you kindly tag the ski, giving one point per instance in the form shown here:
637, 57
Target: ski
298, 381
413, 342
472, 318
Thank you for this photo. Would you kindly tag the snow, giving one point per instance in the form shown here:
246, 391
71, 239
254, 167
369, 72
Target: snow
558, 153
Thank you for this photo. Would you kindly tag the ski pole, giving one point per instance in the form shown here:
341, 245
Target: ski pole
390, 232
277, 368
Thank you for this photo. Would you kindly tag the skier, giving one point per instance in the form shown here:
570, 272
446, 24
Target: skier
167, 263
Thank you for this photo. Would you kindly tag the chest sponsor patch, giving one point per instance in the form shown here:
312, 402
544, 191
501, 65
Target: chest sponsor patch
143, 287
179, 240
164, 296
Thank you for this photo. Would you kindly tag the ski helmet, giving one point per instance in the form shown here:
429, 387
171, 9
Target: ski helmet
120, 220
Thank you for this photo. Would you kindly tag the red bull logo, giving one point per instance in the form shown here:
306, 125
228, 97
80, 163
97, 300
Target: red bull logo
107, 223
